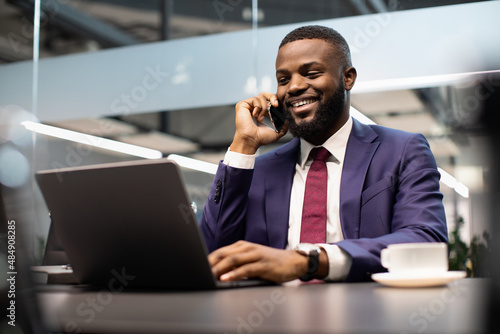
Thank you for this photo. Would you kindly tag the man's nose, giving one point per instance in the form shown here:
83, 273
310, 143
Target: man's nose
297, 85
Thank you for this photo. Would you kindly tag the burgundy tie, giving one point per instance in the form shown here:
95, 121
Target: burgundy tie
313, 228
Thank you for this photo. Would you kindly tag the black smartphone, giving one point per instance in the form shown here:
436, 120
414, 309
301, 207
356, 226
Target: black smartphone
277, 117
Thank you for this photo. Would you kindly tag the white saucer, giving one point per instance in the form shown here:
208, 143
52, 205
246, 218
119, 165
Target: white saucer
420, 280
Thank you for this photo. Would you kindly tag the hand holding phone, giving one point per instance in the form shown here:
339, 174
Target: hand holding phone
254, 127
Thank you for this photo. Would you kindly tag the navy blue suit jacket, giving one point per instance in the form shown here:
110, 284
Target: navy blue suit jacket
389, 193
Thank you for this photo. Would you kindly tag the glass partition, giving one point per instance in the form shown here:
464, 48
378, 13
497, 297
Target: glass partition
165, 75
96, 81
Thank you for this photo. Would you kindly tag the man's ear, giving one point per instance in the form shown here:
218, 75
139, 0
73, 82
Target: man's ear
350, 75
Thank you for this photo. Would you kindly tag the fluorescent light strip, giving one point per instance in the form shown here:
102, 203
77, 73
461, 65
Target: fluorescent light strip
195, 164
453, 183
414, 82
86, 139
186, 162
360, 116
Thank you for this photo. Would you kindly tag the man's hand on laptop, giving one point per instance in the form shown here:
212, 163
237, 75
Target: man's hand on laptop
248, 260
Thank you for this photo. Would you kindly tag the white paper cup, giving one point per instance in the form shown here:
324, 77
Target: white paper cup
415, 258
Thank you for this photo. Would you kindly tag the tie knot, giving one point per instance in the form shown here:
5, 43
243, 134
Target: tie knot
319, 153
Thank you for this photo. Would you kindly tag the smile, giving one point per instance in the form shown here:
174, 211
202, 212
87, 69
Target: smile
301, 103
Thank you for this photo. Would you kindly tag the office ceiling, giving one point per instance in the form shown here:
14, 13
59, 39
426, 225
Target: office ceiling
73, 26
84, 26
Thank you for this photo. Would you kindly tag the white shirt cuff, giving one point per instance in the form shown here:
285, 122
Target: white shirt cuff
239, 160
340, 262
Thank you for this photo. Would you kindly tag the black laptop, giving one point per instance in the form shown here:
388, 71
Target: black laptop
129, 224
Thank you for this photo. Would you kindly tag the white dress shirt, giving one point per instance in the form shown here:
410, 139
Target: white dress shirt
339, 261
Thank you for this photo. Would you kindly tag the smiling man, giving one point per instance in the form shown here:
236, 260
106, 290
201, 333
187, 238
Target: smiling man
325, 204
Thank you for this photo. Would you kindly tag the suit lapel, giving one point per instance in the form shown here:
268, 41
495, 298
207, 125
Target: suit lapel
359, 152
278, 187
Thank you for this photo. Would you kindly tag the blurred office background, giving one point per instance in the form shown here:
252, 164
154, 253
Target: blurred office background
165, 74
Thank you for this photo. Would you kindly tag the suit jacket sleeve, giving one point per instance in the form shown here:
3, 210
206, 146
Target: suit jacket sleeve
223, 219
400, 203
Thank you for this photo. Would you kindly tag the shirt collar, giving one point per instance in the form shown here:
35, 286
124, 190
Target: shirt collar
336, 145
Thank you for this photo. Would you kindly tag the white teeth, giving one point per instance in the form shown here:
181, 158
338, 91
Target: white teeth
301, 103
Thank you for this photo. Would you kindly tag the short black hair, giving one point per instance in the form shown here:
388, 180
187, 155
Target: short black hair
341, 48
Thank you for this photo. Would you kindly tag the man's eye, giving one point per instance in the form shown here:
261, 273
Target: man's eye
313, 73
282, 80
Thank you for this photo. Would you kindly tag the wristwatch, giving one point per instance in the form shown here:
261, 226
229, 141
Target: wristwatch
312, 252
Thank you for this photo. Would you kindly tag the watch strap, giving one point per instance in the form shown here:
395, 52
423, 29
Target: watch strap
312, 266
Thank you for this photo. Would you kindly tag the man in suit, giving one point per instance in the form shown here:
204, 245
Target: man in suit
380, 186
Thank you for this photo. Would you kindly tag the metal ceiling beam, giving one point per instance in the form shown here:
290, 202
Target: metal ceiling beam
362, 8
75, 21
379, 6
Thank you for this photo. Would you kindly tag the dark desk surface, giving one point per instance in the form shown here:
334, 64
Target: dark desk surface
314, 308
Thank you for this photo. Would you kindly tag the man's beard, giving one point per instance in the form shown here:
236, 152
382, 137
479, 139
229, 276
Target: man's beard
326, 116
